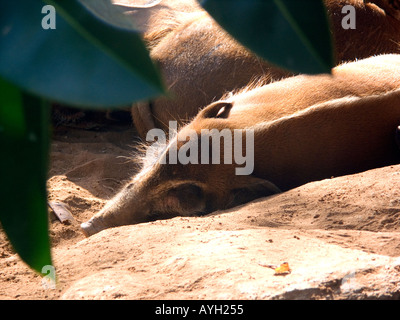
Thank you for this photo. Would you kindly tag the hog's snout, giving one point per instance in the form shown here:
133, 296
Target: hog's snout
123, 209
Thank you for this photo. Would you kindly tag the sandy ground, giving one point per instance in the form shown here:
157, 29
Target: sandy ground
325, 230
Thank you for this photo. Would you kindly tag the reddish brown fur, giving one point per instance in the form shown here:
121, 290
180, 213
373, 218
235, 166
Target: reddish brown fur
305, 128
391, 7
375, 33
277, 105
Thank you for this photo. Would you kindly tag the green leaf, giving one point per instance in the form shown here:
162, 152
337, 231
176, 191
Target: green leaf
122, 44
293, 34
24, 144
61, 64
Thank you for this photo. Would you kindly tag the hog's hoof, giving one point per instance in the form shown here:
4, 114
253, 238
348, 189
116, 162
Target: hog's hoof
398, 136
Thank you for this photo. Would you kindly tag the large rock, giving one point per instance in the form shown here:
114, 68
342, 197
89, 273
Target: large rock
173, 260
338, 235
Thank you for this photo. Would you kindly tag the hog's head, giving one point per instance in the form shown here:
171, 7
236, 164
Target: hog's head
192, 174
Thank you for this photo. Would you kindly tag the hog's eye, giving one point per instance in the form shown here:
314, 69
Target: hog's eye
190, 197
188, 191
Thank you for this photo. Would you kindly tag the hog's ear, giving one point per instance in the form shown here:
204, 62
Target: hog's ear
248, 188
219, 109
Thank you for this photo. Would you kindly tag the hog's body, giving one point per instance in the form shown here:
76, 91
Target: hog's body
305, 128
200, 62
